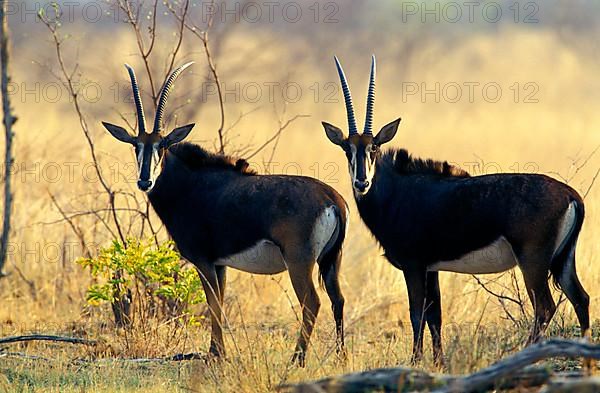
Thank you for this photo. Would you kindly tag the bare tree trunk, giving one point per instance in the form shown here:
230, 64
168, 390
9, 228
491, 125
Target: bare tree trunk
9, 120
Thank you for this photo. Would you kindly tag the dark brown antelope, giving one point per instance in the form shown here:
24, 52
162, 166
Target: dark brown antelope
430, 216
220, 214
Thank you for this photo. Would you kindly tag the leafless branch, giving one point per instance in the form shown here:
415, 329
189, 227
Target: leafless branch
67, 79
30, 284
76, 230
202, 35
133, 19
587, 191
503, 299
182, 20
276, 135
577, 165
496, 295
44, 337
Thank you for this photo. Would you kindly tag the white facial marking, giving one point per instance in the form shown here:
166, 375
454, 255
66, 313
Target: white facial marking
352, 168
352, 164
369, 168
369, 165
155, 163
140, 158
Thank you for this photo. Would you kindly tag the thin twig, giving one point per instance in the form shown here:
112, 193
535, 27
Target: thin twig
585, 194
76, 230
67, 80
204, 38
275, 135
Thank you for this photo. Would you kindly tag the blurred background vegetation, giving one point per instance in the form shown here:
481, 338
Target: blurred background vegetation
492, 92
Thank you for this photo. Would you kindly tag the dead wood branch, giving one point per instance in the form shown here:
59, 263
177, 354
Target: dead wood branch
569, 385
180, 357
509, 373
45, 337
486, 378
24, 356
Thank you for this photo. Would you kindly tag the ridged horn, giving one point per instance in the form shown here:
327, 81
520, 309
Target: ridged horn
164, 95
352, 129
371, 98
137, 99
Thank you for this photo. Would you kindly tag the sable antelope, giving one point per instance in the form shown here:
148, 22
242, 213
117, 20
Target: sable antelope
430, 216
220, 213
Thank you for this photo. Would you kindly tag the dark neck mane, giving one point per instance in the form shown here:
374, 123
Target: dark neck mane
400, 161
196, 158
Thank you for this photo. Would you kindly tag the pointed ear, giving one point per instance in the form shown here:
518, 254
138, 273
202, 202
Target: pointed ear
177, 135
119, 132
387, 132
334, 134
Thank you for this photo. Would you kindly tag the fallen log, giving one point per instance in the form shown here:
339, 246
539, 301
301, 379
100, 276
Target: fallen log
76, 340
485, 379
568, 385
180, 357
20, 355
512, 372
45, 337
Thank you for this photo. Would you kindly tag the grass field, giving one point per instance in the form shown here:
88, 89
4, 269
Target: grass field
45, 289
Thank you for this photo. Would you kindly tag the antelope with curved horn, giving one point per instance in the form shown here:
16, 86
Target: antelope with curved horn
430, 216
222, 214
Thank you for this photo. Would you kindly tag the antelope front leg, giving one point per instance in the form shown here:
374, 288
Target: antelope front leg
433, 315
415, 283
213, 291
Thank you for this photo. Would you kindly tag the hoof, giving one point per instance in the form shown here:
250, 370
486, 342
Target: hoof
299, 359
533, 339
589, 365
216, 353
415, 360
439, 362
342, 355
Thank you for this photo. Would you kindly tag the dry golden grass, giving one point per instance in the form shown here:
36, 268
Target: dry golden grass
46, 292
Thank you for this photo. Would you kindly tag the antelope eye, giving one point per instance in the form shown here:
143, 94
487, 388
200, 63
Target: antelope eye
347, 150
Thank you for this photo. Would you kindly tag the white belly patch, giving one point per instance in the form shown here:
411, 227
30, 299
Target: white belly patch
323, 230
495, 258
263, 258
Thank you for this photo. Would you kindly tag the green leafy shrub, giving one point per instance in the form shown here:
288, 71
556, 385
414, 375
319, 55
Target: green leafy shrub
153, 277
